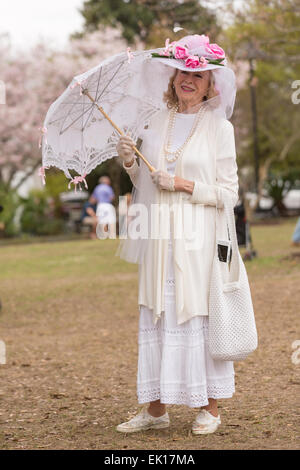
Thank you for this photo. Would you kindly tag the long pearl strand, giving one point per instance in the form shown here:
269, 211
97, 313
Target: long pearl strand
171, 125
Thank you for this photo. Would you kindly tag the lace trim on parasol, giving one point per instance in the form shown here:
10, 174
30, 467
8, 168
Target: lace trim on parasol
84, 160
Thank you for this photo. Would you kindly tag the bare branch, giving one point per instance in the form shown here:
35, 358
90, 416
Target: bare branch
27, 175
292, 139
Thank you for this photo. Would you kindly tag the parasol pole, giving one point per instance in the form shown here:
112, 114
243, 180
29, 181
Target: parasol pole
85, 92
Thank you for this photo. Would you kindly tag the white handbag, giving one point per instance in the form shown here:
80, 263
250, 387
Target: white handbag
232, 329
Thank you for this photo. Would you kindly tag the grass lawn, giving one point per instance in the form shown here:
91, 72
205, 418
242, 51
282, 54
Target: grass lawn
70, 320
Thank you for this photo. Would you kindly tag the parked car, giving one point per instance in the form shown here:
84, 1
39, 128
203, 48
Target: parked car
291, 201
72, 203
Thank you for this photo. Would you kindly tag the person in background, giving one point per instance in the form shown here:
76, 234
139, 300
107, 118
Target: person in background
296, 234
2, 226
103, 195
89, 217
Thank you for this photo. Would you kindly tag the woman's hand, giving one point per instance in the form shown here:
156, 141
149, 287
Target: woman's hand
186, 186
163, 180
125, 149
168, 182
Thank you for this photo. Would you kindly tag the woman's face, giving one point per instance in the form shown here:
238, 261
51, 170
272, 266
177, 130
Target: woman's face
191, 87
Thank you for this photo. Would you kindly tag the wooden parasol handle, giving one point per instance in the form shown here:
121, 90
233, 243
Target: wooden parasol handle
85, 92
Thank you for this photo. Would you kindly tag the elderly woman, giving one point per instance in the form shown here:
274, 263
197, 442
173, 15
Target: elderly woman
191, 145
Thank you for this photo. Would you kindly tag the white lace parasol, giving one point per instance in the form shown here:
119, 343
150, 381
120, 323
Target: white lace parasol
129, 87
76, 136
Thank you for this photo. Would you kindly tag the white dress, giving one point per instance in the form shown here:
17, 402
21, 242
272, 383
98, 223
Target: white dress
174, 364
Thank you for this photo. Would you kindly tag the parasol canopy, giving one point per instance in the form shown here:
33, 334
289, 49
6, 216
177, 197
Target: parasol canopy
128, 88
120, 96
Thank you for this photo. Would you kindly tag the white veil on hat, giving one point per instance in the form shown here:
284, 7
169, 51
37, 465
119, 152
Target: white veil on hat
156, 74
208, 56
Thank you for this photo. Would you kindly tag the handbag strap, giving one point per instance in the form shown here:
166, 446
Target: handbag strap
234, 266
224, 196
235, 262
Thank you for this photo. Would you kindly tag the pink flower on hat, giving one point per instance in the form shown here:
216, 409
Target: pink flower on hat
215, 50
180, 52
193, 62
195, 50
203, 61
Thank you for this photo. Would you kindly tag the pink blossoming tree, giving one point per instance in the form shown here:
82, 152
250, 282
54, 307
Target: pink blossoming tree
32, 82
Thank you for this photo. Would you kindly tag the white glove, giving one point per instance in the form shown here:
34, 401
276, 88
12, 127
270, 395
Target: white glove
133, 172
163, 180
125, 149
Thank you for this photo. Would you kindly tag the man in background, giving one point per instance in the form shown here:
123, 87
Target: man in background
296, 234
103, 195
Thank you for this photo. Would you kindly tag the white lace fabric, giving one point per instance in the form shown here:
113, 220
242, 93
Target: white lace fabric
133, 172
78, 136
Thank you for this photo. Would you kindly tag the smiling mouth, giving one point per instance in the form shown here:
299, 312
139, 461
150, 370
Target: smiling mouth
186, 88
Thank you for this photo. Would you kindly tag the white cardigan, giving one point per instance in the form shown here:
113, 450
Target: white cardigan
214, 142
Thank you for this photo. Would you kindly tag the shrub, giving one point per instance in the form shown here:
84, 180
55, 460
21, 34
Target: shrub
38, 217
9, 201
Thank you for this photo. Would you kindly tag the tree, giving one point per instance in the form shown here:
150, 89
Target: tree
150, 20
278, 187
33, 82
274, 54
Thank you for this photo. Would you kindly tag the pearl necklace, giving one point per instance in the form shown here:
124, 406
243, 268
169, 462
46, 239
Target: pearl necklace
171, 125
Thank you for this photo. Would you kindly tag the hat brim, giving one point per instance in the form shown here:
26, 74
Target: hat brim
180, 64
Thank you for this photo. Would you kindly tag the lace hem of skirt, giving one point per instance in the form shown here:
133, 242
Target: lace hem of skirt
183, 397
174, 331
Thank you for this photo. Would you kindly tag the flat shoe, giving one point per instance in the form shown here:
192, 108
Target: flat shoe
144, 421
205, 423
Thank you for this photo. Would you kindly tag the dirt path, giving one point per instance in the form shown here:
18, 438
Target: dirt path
70, 376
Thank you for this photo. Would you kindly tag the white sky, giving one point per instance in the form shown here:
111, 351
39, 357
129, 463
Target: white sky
28, 21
